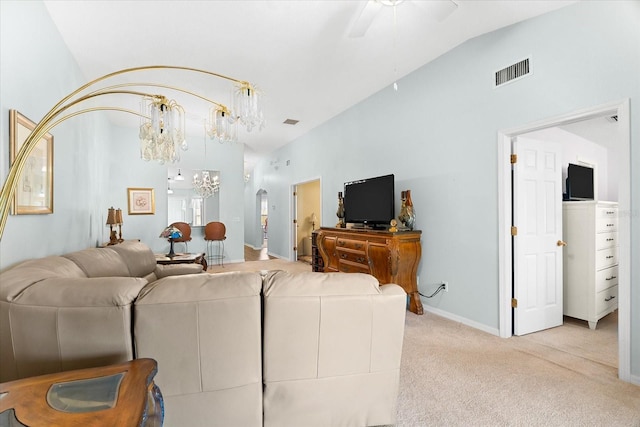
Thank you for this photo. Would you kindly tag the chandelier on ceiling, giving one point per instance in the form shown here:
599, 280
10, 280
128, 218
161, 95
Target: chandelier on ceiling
205, 185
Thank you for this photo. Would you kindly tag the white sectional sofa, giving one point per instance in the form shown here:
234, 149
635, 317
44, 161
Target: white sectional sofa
233, 349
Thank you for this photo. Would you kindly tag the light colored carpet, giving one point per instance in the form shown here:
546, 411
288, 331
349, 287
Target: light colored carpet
455, 375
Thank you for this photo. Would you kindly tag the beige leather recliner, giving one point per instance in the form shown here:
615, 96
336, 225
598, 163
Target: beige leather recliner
332, 349
205, 333
74, 311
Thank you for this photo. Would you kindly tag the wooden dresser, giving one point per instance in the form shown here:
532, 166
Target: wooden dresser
389, 257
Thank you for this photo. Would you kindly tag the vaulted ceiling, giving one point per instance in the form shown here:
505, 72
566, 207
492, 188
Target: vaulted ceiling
300, 53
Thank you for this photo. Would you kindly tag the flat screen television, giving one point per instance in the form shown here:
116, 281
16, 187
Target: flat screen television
370, 202
579, 182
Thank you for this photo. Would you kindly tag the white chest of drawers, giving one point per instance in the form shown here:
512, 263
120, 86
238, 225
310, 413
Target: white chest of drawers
590, 259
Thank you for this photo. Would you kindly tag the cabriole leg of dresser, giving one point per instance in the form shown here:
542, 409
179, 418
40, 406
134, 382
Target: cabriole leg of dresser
415, 305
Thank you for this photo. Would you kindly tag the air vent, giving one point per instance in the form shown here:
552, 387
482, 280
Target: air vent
513, 72
290, 122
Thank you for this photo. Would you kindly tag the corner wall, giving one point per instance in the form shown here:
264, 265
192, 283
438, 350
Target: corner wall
442, 144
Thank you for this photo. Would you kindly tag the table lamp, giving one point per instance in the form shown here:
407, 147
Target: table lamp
171, 233
119, 222
111, 221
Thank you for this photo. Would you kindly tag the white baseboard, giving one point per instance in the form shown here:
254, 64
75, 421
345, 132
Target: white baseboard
634, 379
463, 320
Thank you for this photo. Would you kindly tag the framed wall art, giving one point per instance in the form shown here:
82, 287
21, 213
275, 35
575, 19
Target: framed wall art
34, 190
141, 201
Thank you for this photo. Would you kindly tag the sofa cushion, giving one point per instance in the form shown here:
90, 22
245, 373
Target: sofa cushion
68, 323
204, 330
23, 275
327, 338
139, 257
100, 262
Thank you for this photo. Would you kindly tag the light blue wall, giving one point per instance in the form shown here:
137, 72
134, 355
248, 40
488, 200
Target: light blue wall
36, 70
94, 162
128, 170
438, 135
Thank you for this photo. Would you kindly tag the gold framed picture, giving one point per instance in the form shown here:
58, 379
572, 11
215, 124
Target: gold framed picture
34, 190
141, 201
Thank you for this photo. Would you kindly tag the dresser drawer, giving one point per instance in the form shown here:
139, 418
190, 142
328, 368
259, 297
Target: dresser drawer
606, 224
606, 240
606, 211
606, 278
607, 300
606, 257
358, 257
346, 266
357, 245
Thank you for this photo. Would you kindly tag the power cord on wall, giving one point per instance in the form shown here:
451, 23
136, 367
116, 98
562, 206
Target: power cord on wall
442, 287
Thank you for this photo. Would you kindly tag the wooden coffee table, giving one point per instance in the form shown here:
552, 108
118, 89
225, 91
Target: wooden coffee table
198, 258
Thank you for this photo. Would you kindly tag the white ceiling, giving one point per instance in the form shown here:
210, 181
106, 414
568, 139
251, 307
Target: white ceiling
298, 52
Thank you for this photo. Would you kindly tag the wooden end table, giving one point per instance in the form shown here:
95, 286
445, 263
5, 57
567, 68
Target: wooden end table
115, 395
197, 258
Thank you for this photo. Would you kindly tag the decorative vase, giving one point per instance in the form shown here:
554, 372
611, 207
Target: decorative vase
407, 215
340, 212
403, 215
411, 213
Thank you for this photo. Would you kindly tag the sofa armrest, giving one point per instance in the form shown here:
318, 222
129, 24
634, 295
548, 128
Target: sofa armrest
177, 269
82, 292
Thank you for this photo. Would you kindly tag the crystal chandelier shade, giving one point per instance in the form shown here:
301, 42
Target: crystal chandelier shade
162, 130
247, 106
221, 125
205, 185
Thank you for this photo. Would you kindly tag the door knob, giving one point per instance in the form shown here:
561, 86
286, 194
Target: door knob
561, 243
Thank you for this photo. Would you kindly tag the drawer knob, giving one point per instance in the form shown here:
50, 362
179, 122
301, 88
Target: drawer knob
609, 298
609, 256
561, 243
610, 225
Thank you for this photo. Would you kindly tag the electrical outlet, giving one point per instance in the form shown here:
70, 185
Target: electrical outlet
446, 286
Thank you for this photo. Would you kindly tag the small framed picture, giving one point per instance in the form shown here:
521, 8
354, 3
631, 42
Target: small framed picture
34, 191
141, 201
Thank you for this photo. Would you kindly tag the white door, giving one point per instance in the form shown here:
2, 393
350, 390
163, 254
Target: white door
537, 245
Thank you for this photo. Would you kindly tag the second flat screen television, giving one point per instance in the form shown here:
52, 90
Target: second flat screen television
369, 201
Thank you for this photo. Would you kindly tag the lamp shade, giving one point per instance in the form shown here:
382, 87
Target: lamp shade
171, 232
111, 216
118, 216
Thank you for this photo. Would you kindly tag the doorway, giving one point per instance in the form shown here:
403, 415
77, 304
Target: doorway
307, 217
262, 221
621, 150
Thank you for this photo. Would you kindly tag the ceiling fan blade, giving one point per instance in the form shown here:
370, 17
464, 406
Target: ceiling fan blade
364, 19
438, 10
